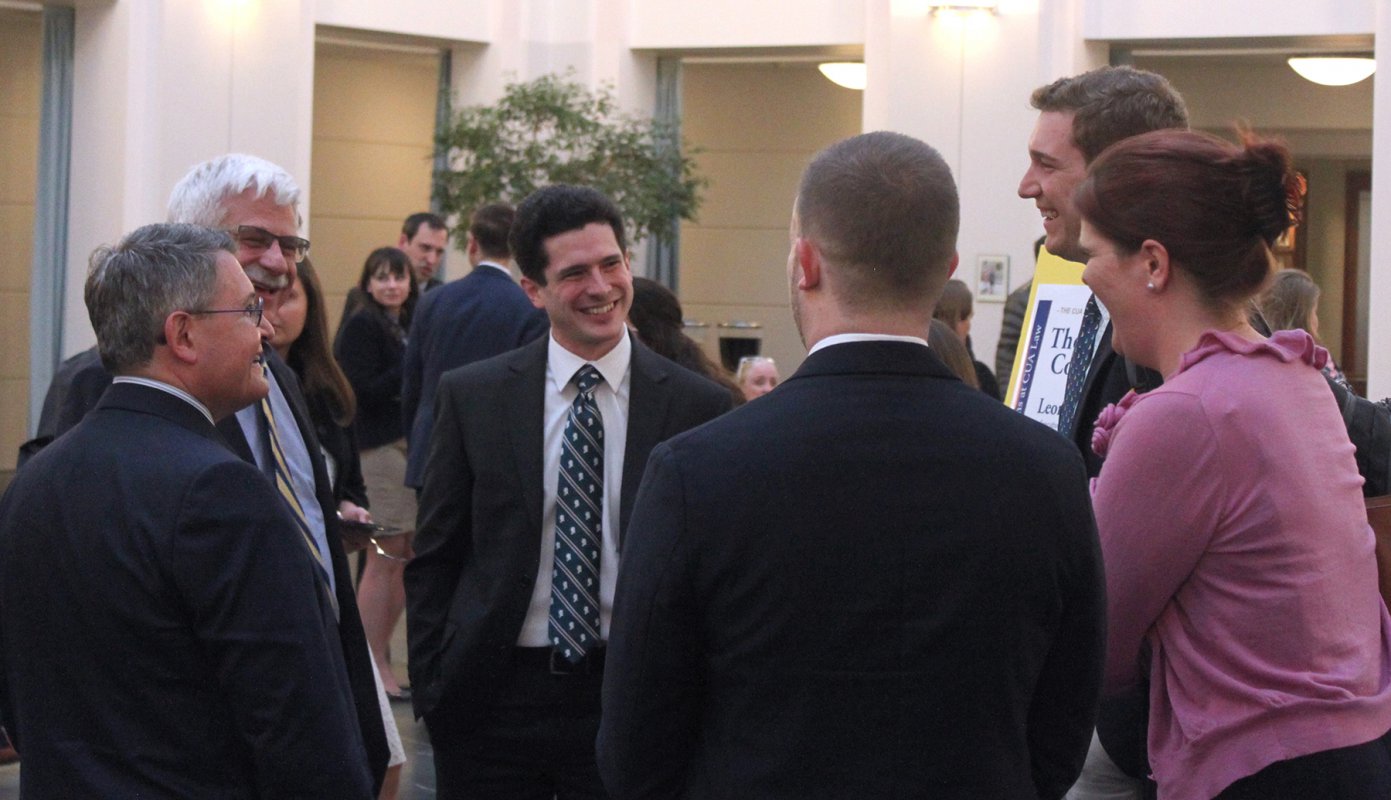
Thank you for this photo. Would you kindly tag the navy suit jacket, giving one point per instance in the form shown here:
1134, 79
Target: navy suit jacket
478, 545
357, 659
873, 582
162, 631
481, 315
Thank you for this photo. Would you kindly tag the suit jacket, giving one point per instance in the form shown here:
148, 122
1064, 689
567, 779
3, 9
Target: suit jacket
478, 544
356, 657
1108, 380
478, 316
163, 632
872, 582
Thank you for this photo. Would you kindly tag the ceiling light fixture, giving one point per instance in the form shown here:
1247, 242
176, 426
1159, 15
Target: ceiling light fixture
938, 8
850, 74
1334, 70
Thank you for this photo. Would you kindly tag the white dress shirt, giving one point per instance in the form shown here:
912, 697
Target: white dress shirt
611, 397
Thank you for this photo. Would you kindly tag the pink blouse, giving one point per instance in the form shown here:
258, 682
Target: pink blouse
1236, 545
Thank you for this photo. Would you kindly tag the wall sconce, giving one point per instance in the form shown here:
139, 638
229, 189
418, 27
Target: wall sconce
850, 74
1334, 71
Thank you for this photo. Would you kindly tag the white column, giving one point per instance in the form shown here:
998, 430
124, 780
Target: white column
160, 85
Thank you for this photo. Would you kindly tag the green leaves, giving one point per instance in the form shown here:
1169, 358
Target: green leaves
553, 130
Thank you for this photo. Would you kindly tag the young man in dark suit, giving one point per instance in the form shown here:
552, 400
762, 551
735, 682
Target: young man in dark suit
874, 581
534, 463
168, 630
1079, 117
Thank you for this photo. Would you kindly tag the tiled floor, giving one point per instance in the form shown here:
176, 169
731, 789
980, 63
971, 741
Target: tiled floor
417, 776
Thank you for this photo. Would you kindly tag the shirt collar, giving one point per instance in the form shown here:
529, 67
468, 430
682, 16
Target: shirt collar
496, 266
169, 388
613, 365
843, 338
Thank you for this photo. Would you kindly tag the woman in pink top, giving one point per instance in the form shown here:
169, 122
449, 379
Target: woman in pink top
1239, 565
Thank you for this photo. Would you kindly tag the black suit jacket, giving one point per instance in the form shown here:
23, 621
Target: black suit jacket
356, 657
873, 582
162, 631
1108, 380
478, 316
478, 544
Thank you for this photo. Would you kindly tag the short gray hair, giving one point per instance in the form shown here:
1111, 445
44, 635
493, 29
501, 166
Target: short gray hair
133, 287
198, 197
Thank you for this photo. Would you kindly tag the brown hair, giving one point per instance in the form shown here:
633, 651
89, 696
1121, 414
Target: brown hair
490, 226
310, 357
1289, 302
397, 263
1109, 104
949, 347
955, 304
660, 324
1215, 206
883, 208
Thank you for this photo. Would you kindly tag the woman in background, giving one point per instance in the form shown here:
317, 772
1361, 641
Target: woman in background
371, 349
300, 322
756, 376
1291, 303
956, 309
1239, 570
301, 341
656, 316
948, 347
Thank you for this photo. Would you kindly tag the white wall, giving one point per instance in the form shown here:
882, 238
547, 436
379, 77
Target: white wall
452, 20
719, 24
161, 85
1194, 19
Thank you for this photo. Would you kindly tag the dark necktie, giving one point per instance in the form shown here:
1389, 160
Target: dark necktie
1077, 368
279, 474
579, 505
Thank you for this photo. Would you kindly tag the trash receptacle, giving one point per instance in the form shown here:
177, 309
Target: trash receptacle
739, 338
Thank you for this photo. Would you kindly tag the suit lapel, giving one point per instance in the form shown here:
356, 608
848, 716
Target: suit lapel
525, 401
647, 409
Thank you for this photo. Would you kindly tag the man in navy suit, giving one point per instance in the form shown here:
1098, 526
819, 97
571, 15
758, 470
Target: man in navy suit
874, 581
477, 317
167, 631
534, 463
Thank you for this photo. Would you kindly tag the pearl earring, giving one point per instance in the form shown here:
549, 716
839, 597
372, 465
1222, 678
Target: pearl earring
1150, 286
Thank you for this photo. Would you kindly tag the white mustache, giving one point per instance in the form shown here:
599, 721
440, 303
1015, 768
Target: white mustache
260, 276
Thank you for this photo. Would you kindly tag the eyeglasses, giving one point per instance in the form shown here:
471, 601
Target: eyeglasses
260, 239
255, 309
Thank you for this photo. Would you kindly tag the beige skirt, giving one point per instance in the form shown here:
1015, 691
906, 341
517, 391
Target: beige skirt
384, 472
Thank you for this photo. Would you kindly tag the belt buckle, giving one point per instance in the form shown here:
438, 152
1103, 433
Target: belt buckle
559, 666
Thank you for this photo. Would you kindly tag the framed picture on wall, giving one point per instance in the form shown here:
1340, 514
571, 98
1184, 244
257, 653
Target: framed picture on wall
992, 278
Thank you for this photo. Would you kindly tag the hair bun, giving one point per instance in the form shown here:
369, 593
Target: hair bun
1275, 191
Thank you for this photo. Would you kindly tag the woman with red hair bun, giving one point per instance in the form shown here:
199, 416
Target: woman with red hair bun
1239, 564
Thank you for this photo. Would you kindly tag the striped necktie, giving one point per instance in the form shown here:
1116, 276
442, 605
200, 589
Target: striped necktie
579, 505
1078, 367
279, 474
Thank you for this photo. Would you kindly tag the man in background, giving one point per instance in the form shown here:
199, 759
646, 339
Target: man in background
483, 314
424, 238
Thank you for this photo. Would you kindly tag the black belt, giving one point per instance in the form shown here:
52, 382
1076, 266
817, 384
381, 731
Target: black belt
552, 660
